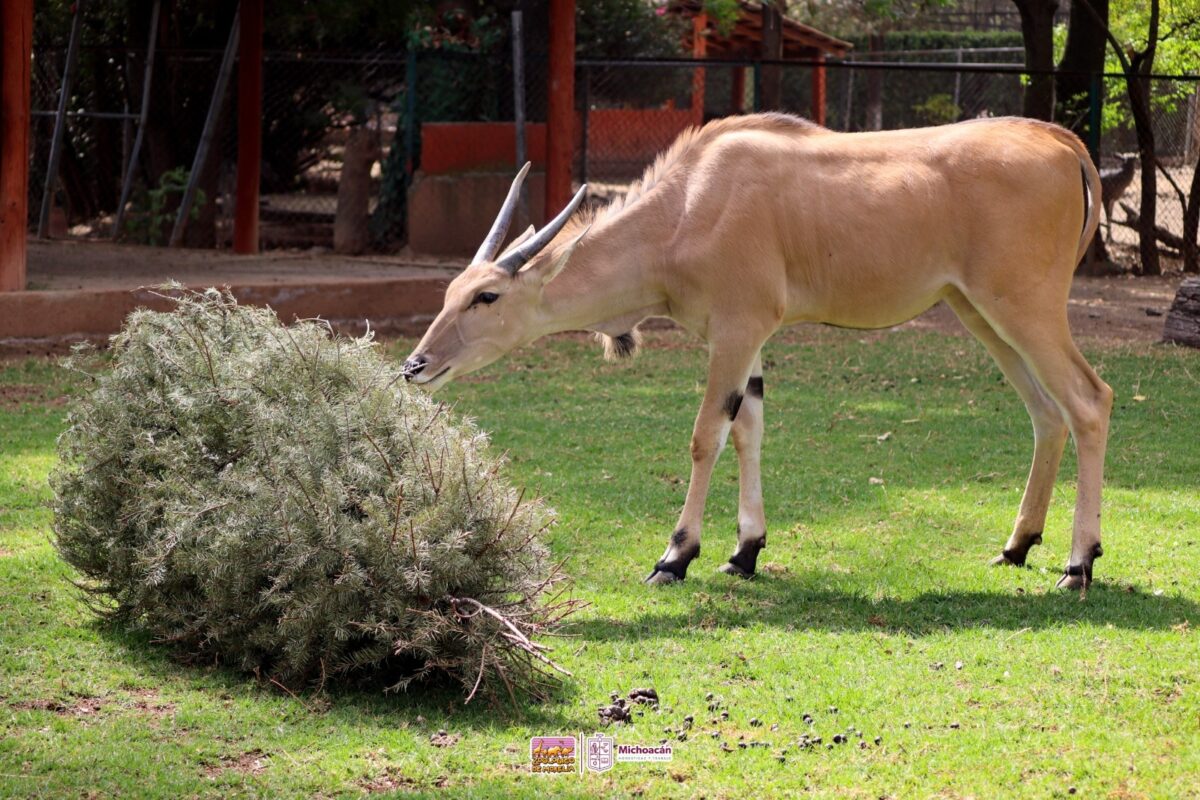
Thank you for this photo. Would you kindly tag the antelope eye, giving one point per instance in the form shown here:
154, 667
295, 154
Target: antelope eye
487, 298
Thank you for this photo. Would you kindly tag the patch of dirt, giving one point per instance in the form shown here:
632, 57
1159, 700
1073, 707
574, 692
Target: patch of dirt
81, 708
14, 395
443, 739
148, 702
1117, 309
5, 553
390, 780
250, 762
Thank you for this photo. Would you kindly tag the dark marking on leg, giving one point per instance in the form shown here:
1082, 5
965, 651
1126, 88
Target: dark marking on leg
1016, 555
754, 387
679, 537
624, 345
745, 560
676, 565
732, 404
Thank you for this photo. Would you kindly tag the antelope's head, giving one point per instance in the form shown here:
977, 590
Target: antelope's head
493, 306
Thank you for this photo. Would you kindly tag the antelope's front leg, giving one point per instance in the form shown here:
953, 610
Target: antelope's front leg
727, 377
747, 440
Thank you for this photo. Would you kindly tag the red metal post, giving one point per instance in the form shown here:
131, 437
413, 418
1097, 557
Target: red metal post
560, 116
699, 50
16, 49
249, 162
818, 89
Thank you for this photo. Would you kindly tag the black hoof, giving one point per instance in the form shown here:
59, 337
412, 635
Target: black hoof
673, 569
744, 562
730, 568
1079, 576
1015, 556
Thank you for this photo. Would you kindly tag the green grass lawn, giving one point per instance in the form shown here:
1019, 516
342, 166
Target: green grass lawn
874, 599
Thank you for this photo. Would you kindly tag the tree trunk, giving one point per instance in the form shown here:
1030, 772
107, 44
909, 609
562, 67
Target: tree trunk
1037, 32
1084, 53
351, 233
1142, 64
771, 80
1191, 222
1183, 320
874, 121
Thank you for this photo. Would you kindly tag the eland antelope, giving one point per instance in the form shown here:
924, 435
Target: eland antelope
756, 222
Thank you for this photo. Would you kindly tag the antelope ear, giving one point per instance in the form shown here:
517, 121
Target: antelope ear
549, 269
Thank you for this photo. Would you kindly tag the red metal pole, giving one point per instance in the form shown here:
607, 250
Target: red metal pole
699, 50
16, 49
245, 223
560, 116
818, 90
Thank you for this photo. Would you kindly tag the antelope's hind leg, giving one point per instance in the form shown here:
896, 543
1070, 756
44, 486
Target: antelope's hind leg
731, 359
747, 440
1049, 434
1036, 327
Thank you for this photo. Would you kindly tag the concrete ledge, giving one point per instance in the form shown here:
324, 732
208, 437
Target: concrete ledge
388, 305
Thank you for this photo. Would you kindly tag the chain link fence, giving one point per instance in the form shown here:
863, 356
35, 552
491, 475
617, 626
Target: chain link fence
631, 111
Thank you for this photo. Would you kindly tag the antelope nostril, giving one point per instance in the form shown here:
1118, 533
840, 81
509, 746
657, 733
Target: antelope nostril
413, 366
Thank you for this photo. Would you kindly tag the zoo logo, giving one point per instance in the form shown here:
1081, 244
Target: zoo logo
552, 754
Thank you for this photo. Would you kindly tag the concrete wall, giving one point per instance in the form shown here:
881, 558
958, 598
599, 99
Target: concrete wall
448, 215
403, 305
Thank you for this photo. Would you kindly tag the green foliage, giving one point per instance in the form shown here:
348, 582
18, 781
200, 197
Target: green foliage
1177, 52
937, 109
724, 14
153, 211
278, 499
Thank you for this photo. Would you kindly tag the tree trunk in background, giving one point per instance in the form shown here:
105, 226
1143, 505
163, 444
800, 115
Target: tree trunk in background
1183, 320
350, 230
1037, 32
1191, 224
1141, 64
771, 81
1084, 53
874, 120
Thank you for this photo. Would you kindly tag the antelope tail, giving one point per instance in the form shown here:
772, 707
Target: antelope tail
1092, 197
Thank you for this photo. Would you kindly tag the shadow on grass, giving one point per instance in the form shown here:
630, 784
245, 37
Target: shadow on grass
362, 705
786, 603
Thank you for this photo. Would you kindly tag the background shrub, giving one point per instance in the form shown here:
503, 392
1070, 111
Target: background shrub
275, 497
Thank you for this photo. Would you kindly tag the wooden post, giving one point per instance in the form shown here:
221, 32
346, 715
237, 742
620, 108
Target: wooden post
249, 163
560, 115
16, 49
737, 103
818, 89
699, 49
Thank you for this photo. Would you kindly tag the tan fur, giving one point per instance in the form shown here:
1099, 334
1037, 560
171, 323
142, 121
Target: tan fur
751, 223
